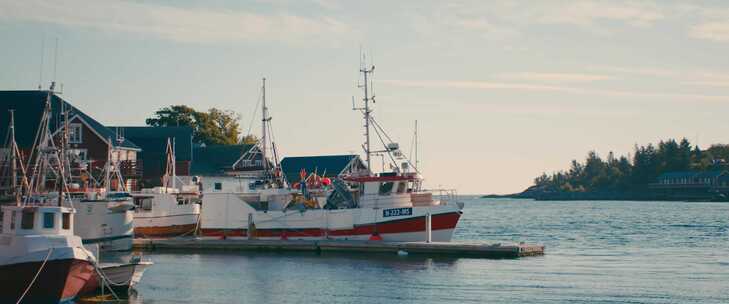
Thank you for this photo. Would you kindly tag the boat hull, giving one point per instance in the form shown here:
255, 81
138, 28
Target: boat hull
59, 281
408, 229
98, 222
164, 231
122, 277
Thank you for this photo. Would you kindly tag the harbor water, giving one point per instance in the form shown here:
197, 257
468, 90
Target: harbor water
597, 252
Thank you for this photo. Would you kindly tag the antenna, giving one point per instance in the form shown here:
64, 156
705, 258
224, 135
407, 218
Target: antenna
40, 73
55, 60
366, 73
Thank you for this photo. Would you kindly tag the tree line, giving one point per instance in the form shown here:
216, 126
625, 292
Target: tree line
214, 127
636, 172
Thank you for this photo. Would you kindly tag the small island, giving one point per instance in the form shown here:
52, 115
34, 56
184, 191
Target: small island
671, 170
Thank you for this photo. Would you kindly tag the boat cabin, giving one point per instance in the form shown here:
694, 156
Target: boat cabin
36, 220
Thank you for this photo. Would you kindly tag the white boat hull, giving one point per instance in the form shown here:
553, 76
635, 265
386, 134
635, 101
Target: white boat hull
226, 215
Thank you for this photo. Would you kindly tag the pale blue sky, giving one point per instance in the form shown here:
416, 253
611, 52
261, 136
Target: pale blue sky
502, 90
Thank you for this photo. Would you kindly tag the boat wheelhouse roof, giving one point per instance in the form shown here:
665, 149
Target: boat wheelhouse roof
29, 106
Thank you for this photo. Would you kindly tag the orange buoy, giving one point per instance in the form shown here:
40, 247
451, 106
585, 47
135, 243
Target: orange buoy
375, 237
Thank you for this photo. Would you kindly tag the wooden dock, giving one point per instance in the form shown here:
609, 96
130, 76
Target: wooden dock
455, 249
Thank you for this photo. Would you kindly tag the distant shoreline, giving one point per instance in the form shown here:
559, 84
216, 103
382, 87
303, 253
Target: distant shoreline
608, 196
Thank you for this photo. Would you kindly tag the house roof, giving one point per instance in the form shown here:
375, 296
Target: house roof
691, 174
324, 165
215, 159
153, 140
29, 105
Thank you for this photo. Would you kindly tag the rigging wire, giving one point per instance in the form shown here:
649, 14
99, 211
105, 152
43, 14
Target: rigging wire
255, 110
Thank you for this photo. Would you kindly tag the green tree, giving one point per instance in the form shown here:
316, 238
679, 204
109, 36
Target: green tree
215, 127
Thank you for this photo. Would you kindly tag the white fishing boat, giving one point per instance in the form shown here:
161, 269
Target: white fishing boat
171, 210
41, 260
104, 214
363, 205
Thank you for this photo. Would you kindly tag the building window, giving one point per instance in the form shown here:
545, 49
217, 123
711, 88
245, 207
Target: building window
218, 186
66, 221
48, 220
27, 221
74, 133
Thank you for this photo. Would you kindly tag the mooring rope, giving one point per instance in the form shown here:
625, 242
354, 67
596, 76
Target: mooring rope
50, 250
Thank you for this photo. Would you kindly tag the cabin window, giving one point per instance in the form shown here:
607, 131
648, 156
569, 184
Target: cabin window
218, 186
386, 188
66, 221
401, 187
27, 221
147, 204
74, 133
12, 220
49, 220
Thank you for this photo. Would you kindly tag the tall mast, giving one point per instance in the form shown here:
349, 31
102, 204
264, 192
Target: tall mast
366, 111
417, 163
62, 157
264, 121
173, 160
13, 160
107, 167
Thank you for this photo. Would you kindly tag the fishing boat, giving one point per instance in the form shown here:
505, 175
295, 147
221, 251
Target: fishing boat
362, 205
41, 260
170, 210
104, 208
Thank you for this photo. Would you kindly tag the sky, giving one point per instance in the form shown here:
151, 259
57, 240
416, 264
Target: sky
502, 90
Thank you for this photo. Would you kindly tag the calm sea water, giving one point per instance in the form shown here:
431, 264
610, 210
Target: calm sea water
598, 252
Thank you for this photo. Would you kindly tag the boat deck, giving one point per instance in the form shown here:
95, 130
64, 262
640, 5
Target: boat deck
457, 249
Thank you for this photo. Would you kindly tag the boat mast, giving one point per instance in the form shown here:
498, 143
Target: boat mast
264, 120
417, 163
367, 111
62, 156
13, 165
173, 161
107, 167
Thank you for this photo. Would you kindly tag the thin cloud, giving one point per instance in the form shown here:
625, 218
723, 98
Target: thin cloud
555, 77
487, 85
641, 71
717, 31
586, 13
173, 23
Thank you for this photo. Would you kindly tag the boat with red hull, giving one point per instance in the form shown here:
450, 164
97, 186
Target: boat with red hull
41, 260
358, 204
40, 264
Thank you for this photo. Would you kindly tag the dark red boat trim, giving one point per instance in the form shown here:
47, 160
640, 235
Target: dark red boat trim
412, 224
